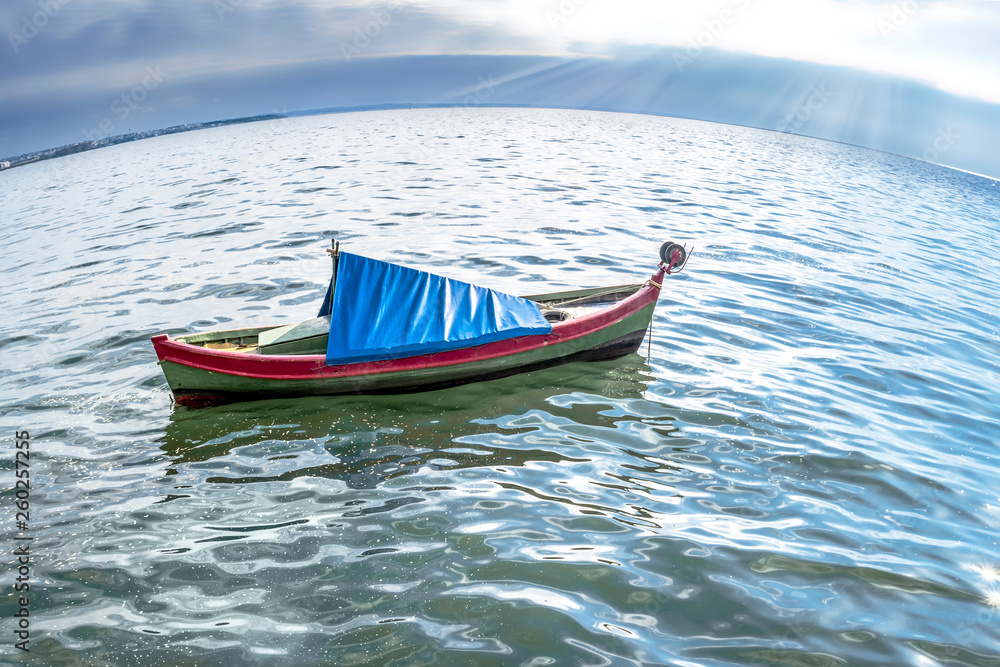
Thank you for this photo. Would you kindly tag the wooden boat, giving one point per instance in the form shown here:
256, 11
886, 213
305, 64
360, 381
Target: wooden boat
316, 357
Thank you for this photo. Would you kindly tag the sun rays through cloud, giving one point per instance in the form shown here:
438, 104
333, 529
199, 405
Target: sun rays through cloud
914, 77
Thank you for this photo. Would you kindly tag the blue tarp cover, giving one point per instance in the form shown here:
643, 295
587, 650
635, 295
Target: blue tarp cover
383, 311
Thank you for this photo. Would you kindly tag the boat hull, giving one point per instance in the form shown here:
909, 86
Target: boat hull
196, 374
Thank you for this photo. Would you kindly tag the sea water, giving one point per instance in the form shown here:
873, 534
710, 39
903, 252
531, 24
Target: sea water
800, 468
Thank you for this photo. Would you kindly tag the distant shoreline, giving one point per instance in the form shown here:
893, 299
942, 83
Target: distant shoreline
82, 146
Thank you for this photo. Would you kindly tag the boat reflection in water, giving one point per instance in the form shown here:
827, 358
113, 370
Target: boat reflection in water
364, 440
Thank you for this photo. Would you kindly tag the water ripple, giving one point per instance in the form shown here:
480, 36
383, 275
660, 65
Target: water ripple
799, 469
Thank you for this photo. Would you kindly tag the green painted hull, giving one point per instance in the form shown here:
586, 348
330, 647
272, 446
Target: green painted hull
218, 366
615, 340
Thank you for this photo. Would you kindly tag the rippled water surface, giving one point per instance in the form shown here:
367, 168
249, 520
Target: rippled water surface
801, 471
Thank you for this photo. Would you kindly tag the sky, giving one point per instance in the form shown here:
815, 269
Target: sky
916, 77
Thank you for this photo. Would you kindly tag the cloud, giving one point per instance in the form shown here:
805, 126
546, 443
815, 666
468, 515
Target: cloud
224, 58
952, 45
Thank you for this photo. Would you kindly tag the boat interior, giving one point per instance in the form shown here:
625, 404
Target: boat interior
310, 336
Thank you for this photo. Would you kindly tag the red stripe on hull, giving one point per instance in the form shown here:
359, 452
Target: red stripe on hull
292, 367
